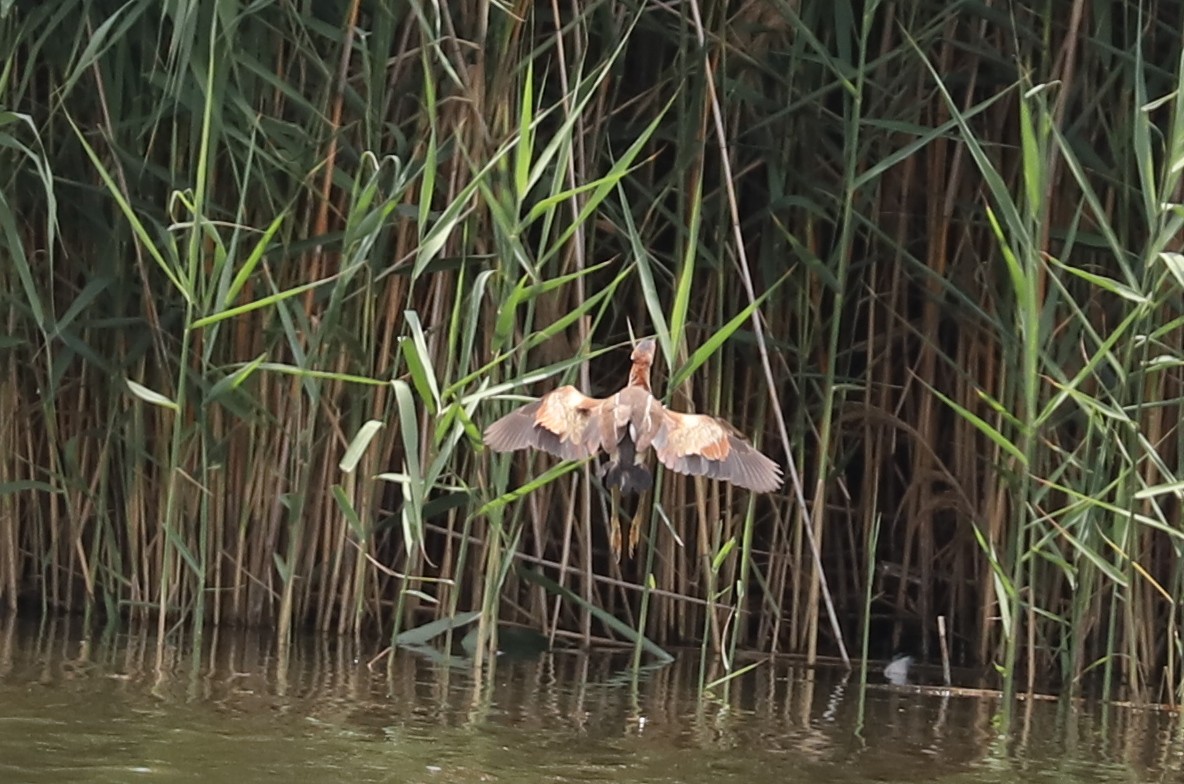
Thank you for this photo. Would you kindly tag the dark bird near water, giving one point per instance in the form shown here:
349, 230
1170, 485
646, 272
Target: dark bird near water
568, 424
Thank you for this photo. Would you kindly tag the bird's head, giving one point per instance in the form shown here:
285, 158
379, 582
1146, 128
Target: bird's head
643, 358
643, 352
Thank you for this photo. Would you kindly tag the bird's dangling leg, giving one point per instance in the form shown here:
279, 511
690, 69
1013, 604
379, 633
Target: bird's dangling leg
614, 534
635, 523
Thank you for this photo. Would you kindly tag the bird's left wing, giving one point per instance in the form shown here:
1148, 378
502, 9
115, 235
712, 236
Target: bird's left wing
701, 445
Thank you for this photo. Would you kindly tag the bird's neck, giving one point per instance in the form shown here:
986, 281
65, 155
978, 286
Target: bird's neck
639, 376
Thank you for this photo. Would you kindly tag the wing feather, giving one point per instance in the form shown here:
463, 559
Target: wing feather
561, 423
700, 445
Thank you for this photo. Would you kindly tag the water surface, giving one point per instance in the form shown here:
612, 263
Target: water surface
102, 708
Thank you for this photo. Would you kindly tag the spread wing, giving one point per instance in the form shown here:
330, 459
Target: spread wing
701, 445
561, 422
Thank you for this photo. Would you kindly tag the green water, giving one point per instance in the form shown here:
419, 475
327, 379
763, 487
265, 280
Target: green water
107, 709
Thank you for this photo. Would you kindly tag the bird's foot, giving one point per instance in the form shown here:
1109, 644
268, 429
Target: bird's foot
614, 539
635, 528
614, 533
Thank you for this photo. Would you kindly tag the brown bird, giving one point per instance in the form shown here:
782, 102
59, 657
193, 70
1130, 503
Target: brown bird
568, 424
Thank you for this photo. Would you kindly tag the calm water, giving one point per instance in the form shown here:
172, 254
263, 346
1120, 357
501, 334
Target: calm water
99, 709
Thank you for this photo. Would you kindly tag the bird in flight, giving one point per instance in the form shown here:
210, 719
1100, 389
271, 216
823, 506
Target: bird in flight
569, 424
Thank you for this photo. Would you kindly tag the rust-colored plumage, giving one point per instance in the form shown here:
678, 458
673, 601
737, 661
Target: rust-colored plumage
571, 425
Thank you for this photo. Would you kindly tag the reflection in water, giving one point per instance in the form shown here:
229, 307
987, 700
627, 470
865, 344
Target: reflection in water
97, 709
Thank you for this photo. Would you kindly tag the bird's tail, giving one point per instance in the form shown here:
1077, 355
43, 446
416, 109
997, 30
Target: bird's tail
632, 479
625, 472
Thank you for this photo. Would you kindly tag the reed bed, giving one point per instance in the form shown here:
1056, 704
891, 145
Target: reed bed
269, 269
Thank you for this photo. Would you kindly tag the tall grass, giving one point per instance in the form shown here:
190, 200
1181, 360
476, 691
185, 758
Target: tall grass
267, 271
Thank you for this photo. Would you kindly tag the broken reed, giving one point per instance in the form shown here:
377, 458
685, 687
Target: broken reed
219, 252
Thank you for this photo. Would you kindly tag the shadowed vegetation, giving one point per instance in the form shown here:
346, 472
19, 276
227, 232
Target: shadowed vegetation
268, 269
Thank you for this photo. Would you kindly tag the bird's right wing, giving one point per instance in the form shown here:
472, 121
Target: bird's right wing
561, 422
